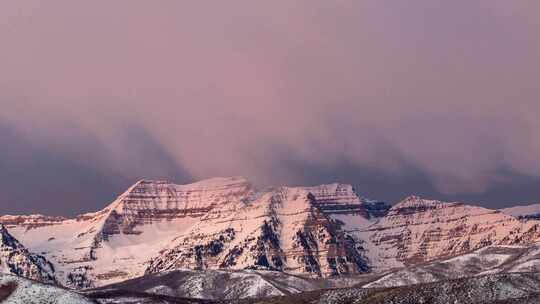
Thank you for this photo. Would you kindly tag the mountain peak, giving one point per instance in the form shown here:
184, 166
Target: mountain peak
158, 200
334, 193
157, 192
210, 183
414, 204
220, 181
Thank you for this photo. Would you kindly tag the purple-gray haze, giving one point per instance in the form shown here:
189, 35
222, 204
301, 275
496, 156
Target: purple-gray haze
437, 98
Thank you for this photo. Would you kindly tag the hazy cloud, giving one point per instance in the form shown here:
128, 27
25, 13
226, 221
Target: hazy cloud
439, 97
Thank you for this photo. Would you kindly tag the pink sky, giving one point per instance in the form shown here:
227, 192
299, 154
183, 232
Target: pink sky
275, 90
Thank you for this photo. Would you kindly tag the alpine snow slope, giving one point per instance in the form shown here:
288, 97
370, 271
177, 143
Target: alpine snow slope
228, 284
491, 288
17, 290
487, 260
217, 223
316, 232
417, 230
519, 288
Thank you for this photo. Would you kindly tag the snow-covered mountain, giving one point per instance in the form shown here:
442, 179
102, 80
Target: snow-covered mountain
225, 223
282, 229
487, 260
516, 267
16, 259
496, 288
493, 288
115, 243
418, 230
227, 284
218, 284
215, 223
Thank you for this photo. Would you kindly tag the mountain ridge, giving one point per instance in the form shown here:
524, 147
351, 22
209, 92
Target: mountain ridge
225, 223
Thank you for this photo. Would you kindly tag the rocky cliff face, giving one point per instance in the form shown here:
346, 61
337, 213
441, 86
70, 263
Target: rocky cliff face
16, 259
153, 202
282, 229
335, 199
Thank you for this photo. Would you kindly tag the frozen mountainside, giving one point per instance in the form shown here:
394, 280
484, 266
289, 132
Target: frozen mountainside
225, 284
418, 230
497, 288
514, 265
487, 260
215, 223
17, 290
493, 288
16, 259
115, 243
526, 212
500, 288
218, 284
224, 223
282, 229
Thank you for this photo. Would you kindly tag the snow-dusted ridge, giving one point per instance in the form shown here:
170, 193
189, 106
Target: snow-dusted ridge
225, 223
417, 230
24, 291
523, 211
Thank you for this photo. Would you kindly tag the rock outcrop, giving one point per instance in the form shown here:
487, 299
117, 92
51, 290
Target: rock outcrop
16, 259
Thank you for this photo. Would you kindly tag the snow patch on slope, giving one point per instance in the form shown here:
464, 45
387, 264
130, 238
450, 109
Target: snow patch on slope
16, 259
31, 292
